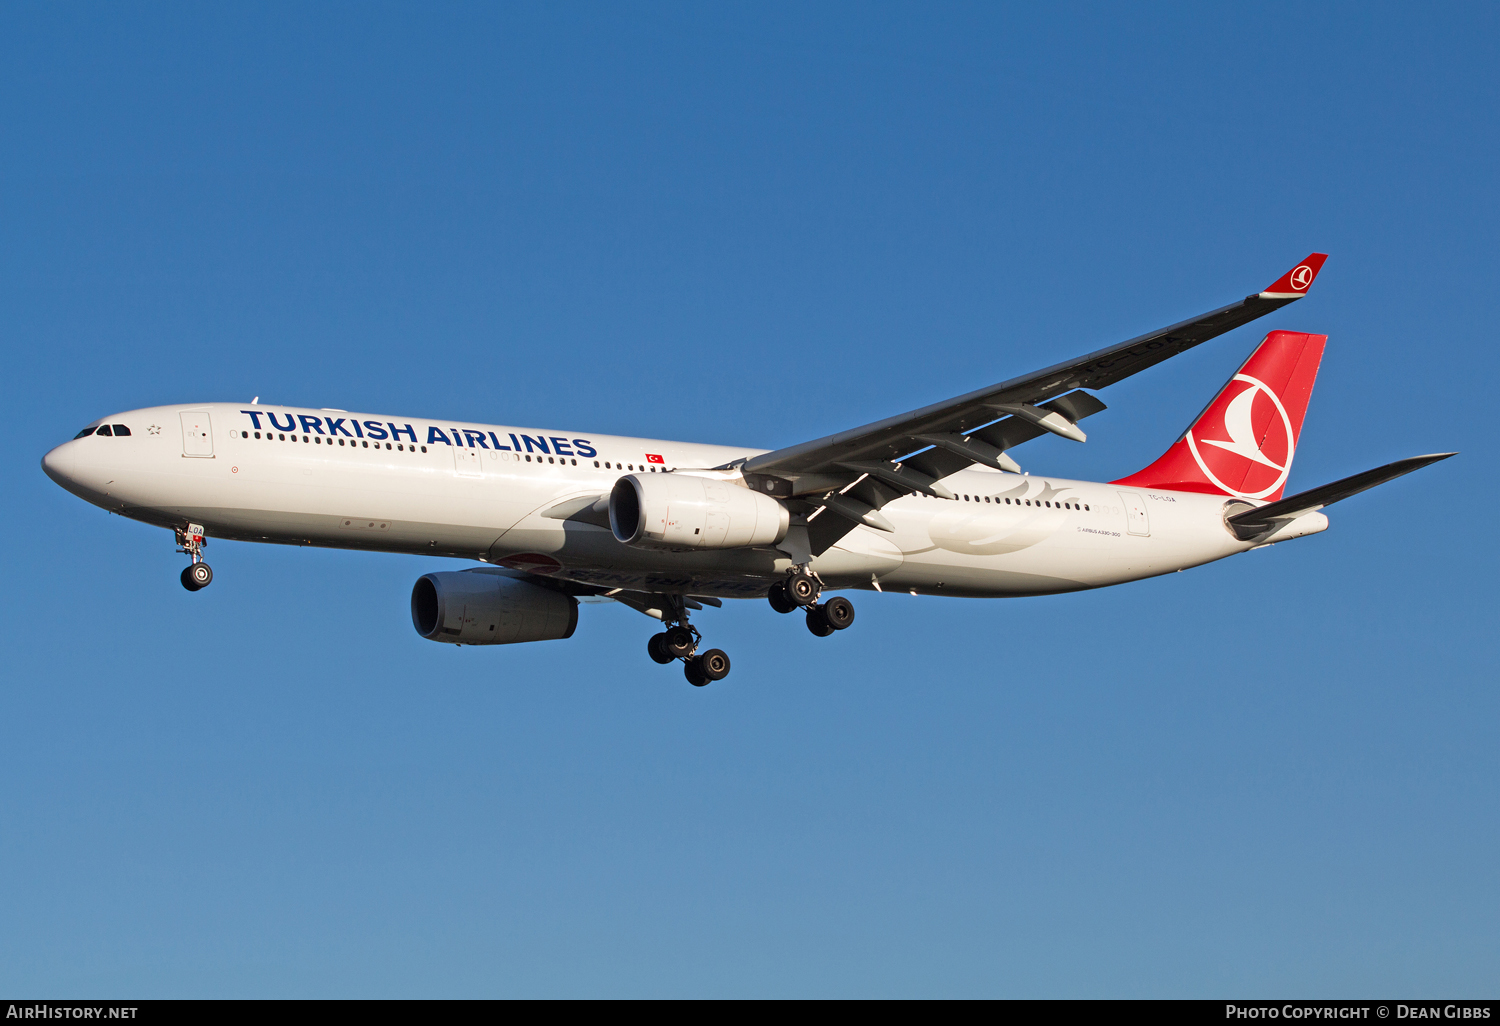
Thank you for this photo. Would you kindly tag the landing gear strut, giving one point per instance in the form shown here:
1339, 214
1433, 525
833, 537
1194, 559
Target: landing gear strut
190, 541
680, 641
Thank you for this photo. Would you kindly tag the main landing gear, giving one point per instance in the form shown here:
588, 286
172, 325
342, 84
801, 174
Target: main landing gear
801, 590
198, 574
680, 641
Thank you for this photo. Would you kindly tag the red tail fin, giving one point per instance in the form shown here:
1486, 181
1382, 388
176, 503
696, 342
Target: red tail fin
1244, 442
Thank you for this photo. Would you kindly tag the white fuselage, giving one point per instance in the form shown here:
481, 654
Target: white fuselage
482, 492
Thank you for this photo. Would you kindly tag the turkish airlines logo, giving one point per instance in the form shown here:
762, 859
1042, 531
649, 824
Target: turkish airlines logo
1257, 452
1301, 278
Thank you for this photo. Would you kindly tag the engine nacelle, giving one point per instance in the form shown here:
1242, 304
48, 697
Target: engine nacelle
476, 607
678, 511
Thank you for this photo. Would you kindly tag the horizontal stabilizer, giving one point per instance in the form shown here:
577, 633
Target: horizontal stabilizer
1255, 521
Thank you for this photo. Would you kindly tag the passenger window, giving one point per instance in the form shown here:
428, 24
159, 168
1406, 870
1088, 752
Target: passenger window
596, 464
424, 448
551, 460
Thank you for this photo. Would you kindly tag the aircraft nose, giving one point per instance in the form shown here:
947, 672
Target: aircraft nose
58, 464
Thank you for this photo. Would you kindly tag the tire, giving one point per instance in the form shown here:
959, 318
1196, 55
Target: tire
779, 599
713, 664
656, 648
694, 673
839, 612
802, 589
678, 642
817, 622
197, 576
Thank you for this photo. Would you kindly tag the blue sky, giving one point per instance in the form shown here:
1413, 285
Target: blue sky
754, 224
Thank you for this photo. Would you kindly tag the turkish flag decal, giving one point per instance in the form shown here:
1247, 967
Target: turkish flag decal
651, 457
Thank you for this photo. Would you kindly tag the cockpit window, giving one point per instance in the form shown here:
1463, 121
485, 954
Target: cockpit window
103, 429
86, 431
120, 431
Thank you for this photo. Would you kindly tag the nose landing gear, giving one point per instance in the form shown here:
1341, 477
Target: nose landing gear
680, 641
198, 574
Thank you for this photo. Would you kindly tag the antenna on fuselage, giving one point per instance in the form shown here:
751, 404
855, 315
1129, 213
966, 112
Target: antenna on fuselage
255, 401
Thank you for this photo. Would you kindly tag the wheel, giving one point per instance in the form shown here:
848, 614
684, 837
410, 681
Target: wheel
678, 642
713, 664
802, 589
779, 599
839, 612
817, 622
657, 649
197, 576
694, 673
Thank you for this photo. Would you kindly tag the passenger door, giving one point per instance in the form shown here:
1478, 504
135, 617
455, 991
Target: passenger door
1135, 515
197, 433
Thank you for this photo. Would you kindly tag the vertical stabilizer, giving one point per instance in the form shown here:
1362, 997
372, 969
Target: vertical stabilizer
1243, 443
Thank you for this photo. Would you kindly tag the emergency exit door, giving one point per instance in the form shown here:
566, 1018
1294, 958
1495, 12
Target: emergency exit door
468, 461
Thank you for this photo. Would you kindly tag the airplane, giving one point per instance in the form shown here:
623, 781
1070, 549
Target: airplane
929, 502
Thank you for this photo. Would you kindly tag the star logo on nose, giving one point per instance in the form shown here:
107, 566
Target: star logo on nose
154, 429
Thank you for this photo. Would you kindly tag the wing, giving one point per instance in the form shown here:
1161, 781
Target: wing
847, 477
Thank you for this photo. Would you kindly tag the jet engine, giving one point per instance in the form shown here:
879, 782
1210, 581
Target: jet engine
679, 511
483, 607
